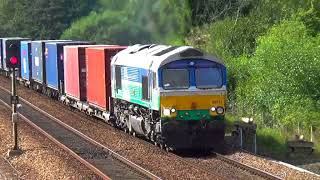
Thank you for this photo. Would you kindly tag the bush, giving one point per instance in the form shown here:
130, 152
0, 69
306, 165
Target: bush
284, 76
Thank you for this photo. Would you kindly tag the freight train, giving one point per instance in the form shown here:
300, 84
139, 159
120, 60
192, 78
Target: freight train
174, 96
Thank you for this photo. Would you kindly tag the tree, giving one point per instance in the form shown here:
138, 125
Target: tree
39, 18
284, 76
208, 11
135, 21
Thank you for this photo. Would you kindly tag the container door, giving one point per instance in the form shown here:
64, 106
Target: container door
81, 71
25, 61
60, 62
1, 53
36, 62
51, 66
4, 50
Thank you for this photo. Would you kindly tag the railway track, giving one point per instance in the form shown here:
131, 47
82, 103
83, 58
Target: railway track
103, 161
211, 167
245, 167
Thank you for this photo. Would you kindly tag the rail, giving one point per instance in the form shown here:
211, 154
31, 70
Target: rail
245, 167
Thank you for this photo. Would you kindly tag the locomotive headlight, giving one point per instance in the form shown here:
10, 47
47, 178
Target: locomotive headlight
169, 112
220, 110
166, 112
213, 109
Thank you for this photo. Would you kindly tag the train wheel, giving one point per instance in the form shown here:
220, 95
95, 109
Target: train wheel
167, 149
126, 130
161, 146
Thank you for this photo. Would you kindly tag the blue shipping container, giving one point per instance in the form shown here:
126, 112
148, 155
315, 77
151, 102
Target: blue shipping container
54, 63
26, 63
38, 55
1, 54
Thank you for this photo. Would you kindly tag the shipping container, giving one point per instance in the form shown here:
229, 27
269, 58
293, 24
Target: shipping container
38, 55
6, 42
1, 54
26, 65
75, 71
54, 60
99, 76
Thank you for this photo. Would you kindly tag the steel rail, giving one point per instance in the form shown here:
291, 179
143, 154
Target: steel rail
248, 168
110, 152
15, 173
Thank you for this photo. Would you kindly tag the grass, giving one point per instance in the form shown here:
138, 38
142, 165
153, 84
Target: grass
273, 142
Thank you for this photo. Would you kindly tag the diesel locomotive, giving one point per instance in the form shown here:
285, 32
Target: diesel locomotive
176, 96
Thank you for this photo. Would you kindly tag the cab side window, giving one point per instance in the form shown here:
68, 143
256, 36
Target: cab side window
118, 77
154, 80
145, 88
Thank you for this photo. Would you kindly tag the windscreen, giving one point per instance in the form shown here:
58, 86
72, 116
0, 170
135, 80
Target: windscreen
208, 77
175, 79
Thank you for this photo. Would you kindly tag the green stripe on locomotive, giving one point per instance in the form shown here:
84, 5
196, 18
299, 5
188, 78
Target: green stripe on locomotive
196, 115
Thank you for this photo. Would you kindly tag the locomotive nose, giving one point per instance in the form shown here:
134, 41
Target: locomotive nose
192, 107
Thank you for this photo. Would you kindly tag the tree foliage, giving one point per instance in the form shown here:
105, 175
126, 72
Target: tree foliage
236, 34
207, 11
135, 21
272, 54
284, 76
40, 19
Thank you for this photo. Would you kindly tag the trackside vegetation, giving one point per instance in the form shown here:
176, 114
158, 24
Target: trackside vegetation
272, 51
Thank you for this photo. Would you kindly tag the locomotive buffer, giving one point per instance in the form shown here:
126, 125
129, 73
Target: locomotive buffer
13, 62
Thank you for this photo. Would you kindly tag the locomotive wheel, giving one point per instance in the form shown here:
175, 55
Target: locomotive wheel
167, 149
161, 146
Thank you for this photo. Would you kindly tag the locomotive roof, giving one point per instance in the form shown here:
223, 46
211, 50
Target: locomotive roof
88, 46
153, 56
66, 42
